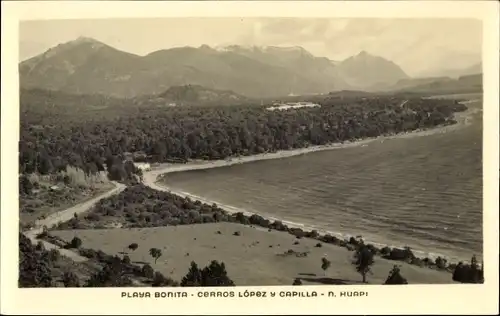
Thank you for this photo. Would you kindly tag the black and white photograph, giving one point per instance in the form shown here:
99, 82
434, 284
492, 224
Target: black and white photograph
250, 151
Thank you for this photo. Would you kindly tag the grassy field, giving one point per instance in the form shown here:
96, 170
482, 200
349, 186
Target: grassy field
256, 257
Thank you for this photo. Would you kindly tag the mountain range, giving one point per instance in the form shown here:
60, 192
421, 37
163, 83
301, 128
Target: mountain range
88, 66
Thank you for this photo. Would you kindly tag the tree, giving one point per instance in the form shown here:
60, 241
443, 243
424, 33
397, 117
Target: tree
34, 266
155, 253
469, 273
117, 172
193, 277
395, 277
214, 274
440, 262
70, 279
363, 260
325, 264
473, 263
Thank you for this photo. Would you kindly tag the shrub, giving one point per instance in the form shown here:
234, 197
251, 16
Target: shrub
312, 234
88, 253
126, 259
440, 263
328, 239
353, 241
70, 279
385, 251
236, 234
401, 254
54, 255
147, 271
297, 232
278, 225
160, 280
241, 218
93, 217
111, 275
133, 246
373, 249
40, 246
76, 242
297, 282
395, 277
319, 245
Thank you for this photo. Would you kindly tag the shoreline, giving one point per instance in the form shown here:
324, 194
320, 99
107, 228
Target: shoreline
463, 119
153, 178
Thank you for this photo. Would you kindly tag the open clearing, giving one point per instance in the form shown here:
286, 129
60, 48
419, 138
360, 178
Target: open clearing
45, 202
249, 258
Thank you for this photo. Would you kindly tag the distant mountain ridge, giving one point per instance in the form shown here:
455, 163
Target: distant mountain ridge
464, 84
87, 66
455, 73
368, 71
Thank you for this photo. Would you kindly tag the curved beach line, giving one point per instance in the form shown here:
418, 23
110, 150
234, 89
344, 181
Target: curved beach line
153, 178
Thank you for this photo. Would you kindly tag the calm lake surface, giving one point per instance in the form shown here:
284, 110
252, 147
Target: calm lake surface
424, 192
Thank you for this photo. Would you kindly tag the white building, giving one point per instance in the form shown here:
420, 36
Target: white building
142, 166
292, 105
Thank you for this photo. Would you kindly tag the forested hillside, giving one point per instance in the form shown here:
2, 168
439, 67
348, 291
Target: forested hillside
54, 135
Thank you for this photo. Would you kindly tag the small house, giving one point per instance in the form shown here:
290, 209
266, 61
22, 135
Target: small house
142, 166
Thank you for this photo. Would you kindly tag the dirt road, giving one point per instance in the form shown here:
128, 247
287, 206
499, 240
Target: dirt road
66, 215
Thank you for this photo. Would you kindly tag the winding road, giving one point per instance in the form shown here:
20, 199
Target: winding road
64, 216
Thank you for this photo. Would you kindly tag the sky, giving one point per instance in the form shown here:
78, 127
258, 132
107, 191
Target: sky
417, 45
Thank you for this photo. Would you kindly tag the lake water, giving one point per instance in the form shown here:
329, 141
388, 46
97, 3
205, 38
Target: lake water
424, 192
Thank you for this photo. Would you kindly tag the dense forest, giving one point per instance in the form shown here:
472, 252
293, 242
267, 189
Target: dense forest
55, 134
